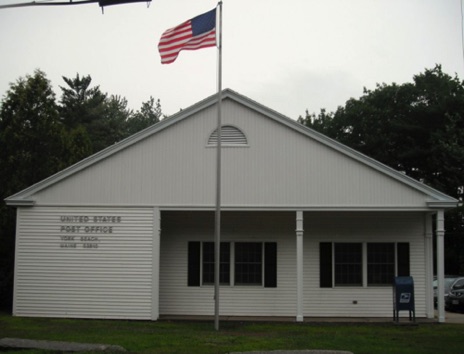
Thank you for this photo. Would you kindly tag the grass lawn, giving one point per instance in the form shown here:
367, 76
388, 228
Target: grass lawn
200, 337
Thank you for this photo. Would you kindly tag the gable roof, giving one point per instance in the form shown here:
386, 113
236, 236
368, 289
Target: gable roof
436, 198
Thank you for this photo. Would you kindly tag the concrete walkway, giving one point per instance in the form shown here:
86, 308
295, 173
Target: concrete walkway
16, 343
450, 317
59, 346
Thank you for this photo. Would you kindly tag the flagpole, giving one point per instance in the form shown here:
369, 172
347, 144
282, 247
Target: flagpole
217, 227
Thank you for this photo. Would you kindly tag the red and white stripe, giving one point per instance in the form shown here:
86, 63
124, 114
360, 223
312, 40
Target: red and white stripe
179, 38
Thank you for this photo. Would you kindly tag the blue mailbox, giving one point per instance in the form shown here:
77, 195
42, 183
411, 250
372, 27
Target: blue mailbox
403, 297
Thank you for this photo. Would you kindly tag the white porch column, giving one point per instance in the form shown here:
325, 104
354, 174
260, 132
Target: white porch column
299, 266
428, 235
441, 265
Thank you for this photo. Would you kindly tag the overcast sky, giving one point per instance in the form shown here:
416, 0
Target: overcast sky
291, 56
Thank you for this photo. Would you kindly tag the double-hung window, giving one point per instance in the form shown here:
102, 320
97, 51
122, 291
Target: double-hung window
248, 263
208, 263
241, 263
348, 263
362, 263
380, 263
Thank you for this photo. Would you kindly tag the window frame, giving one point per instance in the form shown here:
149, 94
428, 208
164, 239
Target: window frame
207, 276
248, 263
328, 264
197, 264
342, 260
374, 266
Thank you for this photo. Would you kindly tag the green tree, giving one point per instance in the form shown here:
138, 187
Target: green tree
31, 134
416, 128
81, 104
101, 116
81, 109
150, 113
110, 127
78, 144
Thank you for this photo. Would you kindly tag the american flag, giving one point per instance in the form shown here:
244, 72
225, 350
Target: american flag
196, 33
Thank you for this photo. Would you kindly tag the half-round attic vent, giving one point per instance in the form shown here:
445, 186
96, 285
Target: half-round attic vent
230, 136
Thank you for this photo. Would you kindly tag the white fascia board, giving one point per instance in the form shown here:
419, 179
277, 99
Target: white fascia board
20, 202
292, 208
443, 204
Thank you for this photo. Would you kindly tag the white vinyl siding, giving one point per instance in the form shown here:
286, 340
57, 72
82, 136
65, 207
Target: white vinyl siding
116, 280
110, 277
176, 298
281, 168
360, 301
178, 228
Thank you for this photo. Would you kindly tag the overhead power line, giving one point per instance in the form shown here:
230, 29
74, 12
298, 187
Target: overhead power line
102, 3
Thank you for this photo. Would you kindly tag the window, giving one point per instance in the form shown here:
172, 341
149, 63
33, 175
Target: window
380, 263
248, 263
242, 263
208, 263
348, 263
362, 264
